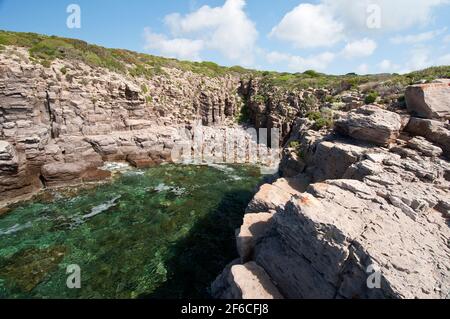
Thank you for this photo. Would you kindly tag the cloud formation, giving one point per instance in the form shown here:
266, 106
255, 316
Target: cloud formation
309, 26
226, 29
360, 48
417, 38
300, 64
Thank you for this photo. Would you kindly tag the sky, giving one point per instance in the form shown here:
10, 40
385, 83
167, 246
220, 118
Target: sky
330, 36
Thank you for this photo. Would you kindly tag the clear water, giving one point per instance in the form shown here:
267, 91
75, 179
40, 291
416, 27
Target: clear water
165, 232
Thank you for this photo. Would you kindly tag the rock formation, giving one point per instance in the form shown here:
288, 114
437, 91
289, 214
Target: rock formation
363, 212
360, 209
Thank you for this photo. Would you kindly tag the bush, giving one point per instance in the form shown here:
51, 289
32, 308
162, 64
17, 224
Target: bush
371, 97
312, 73
321, 120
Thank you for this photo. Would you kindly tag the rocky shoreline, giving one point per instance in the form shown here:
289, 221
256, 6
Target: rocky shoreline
363, 186
369, 197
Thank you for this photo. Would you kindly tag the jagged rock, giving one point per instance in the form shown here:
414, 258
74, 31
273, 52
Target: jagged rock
434, 131
371, 124
333, 158
425, 147
247, 281
254, 227
431, 101
388, 214
292, 164
271, 196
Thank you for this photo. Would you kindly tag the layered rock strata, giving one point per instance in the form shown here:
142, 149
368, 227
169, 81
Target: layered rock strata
363, 212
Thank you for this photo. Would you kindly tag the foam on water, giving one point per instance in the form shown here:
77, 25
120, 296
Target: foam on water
102, 208
16, 228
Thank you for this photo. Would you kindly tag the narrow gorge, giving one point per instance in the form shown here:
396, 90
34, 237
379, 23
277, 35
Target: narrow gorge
87, 176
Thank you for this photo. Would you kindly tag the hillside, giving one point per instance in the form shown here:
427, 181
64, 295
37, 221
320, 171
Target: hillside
363, 177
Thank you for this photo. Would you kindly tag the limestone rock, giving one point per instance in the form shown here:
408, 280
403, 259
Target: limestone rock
248, 281
430, 101
371, 124
254, 227
272, 196
425, 147
434, 131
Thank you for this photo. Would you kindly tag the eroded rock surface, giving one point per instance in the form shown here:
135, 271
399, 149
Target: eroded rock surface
377, 203
430, 101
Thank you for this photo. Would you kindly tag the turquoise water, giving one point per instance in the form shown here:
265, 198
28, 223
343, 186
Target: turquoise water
165, 232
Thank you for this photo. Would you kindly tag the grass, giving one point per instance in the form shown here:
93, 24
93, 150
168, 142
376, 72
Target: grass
44, 49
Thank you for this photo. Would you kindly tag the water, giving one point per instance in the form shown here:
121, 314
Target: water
165, 232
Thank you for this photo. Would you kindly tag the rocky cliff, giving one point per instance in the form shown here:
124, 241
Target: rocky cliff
368, 199
363, 187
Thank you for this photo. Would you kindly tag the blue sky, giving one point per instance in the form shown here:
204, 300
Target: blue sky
332, 36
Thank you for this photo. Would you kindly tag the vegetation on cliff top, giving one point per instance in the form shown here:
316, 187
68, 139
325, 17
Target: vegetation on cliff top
44, 49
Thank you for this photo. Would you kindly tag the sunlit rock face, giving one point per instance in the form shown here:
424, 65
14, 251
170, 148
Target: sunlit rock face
373, 222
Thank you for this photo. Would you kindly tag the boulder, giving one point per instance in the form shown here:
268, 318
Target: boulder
371, 124
271, 196
430, 101
56, 174
64, 174
434, 131
333, 158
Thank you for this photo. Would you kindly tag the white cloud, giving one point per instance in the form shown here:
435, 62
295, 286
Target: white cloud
395, 15
174, 48
388, 66
361, 48
363, 69
417, 38
226, 29
447, 39
297, 63
309, 26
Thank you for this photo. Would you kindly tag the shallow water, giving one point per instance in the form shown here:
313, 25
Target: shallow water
165, 232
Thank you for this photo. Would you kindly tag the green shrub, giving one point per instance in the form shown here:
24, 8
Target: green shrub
144, 89
259, 99
314, 116
371, 97
321, 119
244, 114
312, 73
64, 70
